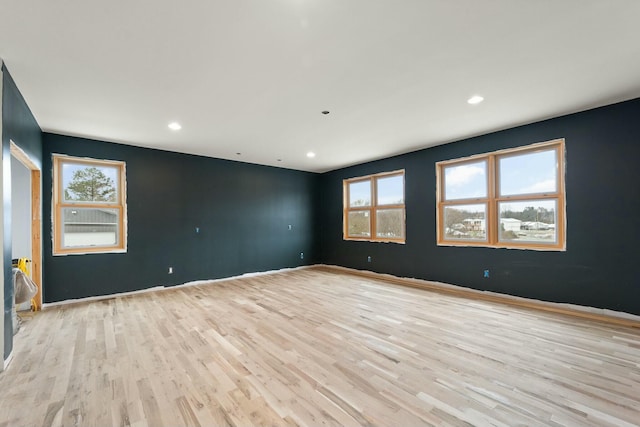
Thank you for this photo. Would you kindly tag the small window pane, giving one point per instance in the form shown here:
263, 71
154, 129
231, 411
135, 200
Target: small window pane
359, 224
87, 227
467, 181
465, 222
530, 221
88, 183
529, 173
360, 194
390, 190
389, 223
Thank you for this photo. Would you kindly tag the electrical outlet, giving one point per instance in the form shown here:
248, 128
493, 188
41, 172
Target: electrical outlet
170, 270
301, 255
197, 230
369, 258
289, 227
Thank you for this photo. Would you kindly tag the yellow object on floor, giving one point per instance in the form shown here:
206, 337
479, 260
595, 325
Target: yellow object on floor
23, 265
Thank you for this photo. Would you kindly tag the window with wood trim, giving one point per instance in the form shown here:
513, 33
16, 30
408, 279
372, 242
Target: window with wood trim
511, 199
89, 206
374, 208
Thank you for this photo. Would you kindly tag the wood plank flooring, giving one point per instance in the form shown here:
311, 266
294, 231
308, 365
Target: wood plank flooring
315, 348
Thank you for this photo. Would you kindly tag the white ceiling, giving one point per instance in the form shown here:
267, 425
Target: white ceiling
252, 76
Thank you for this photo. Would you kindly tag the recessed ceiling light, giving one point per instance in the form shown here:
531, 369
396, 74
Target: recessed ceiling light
175, 126
475, 99
311, 154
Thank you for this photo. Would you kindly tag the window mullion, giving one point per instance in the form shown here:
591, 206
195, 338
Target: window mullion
346, 210
390, 206
524, 198
493, 223
374, 207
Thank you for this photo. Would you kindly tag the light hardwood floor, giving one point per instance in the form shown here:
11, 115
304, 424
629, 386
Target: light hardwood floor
316, 348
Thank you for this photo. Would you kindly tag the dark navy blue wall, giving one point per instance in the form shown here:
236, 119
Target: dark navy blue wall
19, 126
599, 267
242, 210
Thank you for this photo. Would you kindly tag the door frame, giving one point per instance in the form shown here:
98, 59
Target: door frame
36, 220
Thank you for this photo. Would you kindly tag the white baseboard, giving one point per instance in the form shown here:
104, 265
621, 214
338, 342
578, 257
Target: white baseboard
161, 288
7, 361
610, 316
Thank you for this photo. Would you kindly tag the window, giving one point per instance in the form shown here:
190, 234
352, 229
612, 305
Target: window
89, 213
374, 208
511, 198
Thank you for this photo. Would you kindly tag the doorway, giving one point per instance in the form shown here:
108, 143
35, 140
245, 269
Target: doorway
26, 197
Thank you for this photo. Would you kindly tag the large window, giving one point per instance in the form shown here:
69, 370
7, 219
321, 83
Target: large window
89, 212
511, 198
374, 207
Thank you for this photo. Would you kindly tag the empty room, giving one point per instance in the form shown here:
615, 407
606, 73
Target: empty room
320, 213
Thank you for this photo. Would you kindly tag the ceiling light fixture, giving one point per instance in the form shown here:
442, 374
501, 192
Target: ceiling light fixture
311, 154
175, 126
475, 99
